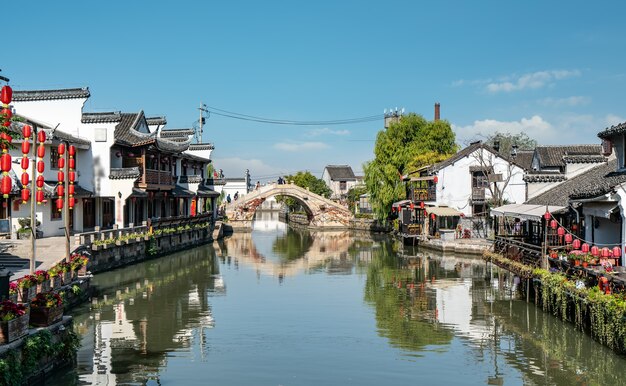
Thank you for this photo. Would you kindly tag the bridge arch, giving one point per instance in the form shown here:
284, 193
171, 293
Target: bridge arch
321, 212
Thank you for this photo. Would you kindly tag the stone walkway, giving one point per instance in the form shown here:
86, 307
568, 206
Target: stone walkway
458, 246
50, 250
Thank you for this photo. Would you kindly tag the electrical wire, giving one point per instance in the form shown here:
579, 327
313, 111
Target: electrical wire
245, 117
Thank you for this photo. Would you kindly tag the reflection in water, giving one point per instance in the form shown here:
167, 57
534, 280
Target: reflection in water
267, 221
426, 319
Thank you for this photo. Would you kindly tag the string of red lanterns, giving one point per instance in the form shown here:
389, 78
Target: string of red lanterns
72, 175
41, 152
6, 95
26, 133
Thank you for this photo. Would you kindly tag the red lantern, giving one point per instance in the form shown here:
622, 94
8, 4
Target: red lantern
41, 136
7, 184
61, 176
40, 166
412, 206
70, 190
584, 248
25, 195
546, 215
432, 216
6, 95
560, 231
6, 137
7, 113
435, 179
568, 238
61, 163
60, 191
576, 244
24, 163
40, 181
5, 162
41, 151
574, 227
72, 163
605, 252
26, 131
59, 204
617, 252
39, 196
553, 224
25, 179
193, 208
595, 251
421, 204
72, 150
61, 149
72, 176
25, 147
71, 201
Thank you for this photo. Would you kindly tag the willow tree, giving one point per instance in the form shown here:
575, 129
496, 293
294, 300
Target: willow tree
405, 145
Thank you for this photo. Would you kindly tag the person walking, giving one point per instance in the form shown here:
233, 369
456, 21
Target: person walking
228, 198
257, 186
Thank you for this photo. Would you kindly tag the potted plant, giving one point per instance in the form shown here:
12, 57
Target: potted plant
43, 280
46, 309
13, 291
25, 231
13, 321
78, 264
64, 271
55, 279
26, 288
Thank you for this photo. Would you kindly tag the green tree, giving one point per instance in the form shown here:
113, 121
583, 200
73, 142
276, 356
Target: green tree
354, 195
305, 180
406, 145
507, 140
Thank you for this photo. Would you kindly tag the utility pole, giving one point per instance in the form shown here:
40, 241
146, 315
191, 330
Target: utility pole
198, 134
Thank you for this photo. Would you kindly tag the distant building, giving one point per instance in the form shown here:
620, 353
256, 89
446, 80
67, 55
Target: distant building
340, 179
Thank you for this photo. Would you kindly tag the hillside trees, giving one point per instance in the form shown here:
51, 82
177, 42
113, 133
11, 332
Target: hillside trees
406, 145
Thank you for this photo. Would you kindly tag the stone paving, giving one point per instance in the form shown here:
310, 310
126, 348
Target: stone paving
50, 250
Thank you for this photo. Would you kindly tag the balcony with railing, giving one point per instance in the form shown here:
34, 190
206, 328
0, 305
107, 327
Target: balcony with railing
423, 194
156, 179
478, 194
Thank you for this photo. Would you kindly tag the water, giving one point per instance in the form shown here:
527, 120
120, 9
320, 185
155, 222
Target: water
280, 307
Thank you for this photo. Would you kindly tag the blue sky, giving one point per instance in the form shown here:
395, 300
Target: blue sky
551, 69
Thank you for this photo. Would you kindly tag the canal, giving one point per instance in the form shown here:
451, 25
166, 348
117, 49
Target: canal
284, 307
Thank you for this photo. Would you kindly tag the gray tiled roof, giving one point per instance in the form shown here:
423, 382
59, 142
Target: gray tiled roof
107, 117
201, 146
524, 158
466, 152
544, 177
340, 172
594, 182
554, 156
613, 130
156, 121
176, 132
125, 133
171, 146
63, 136
124, 173
40, 95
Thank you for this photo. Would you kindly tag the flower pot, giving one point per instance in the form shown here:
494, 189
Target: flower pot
13, 297
66, 278
43, 287
24, 295
82, 271
45, 316
14, 329
585, 264
576, 263
55, 282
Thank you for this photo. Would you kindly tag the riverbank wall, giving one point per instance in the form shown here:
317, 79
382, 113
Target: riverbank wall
472, 247
359, 224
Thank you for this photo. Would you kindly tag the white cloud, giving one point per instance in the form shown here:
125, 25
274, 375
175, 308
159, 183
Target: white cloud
612, 119
533, 80
300, 146
535, 127
565, 102
326, 131
235, 167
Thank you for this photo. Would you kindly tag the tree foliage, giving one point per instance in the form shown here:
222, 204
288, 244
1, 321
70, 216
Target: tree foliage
507, 140
406, 145
305, 180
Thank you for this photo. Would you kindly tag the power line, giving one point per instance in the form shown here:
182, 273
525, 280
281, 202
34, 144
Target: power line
245, 117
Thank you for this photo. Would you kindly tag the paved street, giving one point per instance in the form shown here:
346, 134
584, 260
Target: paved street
50, 250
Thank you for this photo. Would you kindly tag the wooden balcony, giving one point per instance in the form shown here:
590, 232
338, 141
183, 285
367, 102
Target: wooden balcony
478, 194
423, 194
156, 179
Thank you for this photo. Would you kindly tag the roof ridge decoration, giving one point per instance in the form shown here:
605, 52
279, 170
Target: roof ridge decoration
103, 117
41, 95
542, 178
606, 133
156, 121
201, 146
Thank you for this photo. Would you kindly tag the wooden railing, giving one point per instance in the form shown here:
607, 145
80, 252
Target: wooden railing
157, 177
514, 248
423, 194
478, 194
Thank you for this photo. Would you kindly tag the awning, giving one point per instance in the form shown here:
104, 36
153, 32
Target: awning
203, 191
138, 193
182, 192
599, 209
50, 190
442, 211
398, 204
525, 211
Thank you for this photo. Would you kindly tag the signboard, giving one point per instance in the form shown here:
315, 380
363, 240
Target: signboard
5, 226
495, 177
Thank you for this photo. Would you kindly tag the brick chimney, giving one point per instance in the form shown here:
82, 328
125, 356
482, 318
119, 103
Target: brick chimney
437, 108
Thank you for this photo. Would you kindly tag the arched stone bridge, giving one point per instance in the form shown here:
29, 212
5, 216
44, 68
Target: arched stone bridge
321, 212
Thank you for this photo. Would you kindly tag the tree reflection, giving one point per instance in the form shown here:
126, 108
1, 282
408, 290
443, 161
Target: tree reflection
292, 245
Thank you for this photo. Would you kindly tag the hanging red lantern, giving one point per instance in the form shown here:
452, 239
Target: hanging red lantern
25, 195
605, 252
61, 163
6, 95
26, 131
560, 231
553, 224
72, 150
432, 216
6, 137
546, 215
595, 251
61, 148
7, 113
40, 166
40, 181
72, 163
59, 204
41, 136
60, 191
568, 238
70, 190
25, 147
576, 244
421, 204
5, 162
7, 184
72, 176
70, 202
41, 151
24, 163
435, 179
25, 179
193, 208
61, 176
412, 206
39, 196
584, 248
617, 252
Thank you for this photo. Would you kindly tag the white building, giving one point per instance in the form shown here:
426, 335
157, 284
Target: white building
339, 179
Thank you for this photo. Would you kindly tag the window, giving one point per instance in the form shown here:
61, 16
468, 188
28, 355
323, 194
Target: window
55, 214
479, 180
342, 185
54, 158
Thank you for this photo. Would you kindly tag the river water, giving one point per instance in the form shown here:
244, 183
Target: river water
285, 307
